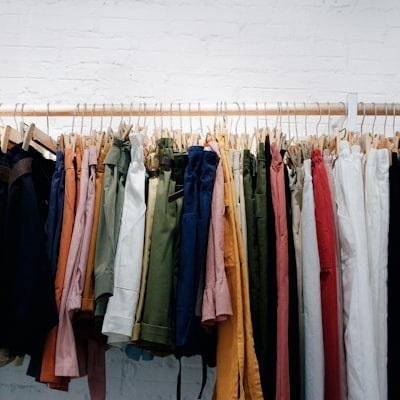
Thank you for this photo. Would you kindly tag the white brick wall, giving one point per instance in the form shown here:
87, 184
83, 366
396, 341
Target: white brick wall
113, 51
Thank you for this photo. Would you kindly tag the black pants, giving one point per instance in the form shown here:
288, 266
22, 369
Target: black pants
27, 303
394, 281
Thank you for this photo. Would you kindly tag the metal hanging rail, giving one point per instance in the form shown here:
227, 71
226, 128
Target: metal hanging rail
195, 109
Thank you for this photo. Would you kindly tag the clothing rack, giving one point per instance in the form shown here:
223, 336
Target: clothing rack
197, 109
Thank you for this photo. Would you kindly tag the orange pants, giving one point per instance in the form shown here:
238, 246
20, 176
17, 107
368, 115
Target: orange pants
238, 376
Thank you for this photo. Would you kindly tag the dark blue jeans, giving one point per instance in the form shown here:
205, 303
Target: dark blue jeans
198, 188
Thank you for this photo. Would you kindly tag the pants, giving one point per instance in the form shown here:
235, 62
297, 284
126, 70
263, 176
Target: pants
88, 295
256, 214
121, 308
157, 325
217, 304
282, 271
116, 166
198, 186
56, 206
362, 374
377, 222
272, 292
66, 357
48, 362
393, 325
314, 366
296, 178
151, 202
27, 301
237, 366
327, 257
328, 161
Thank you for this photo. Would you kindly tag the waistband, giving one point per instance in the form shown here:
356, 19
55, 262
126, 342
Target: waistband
22, 167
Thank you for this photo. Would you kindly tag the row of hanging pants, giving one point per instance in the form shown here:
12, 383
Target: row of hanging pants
282, 274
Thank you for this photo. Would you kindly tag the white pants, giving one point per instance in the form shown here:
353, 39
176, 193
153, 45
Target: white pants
313, 338
362, 374
377, 219
121, 308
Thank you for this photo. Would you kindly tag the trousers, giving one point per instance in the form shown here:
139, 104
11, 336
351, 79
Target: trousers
313, 337
121, 308
328, 282
362, 374
237, 367
282, 272
377, 224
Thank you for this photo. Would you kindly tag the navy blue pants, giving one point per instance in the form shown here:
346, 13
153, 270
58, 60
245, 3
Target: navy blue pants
198, 188
4, 177
55, 217
27, 304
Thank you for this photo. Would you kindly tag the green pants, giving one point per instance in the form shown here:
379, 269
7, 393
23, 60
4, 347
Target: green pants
255, 191
157, 325
116, 166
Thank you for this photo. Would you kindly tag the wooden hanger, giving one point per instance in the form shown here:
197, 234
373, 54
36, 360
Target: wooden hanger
127, 131
35, 135
10, 135
28, 137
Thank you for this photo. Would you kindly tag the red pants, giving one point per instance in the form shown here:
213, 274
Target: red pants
327, 256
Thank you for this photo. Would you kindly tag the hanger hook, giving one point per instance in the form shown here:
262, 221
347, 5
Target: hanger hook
73, 117
47, 118
144, 115
162, 121
240, 114
345, 114
130, 113
200, 119
386, 115
154, 116
15, 119
277, 115
101, 119
83, 115
190, 117
139, 115
266, 114
180, 116
363, 119
112, 115
215, 118
226, 112
122, 112
373, 124
170, 117
22, 113
305, 118
245, 117
329, 118
257, 118
394, 119
295, 120
288, 118
91, 117
320, 117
